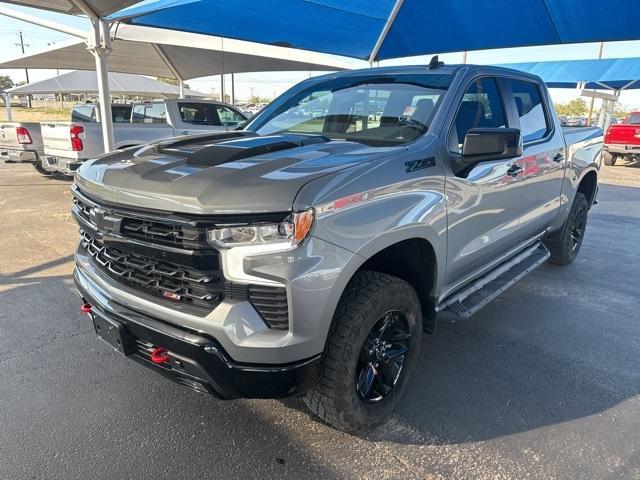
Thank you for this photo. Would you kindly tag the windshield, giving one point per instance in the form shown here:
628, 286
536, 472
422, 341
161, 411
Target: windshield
374, 110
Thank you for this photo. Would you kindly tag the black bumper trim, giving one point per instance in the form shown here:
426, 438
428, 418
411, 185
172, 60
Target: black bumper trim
210, 371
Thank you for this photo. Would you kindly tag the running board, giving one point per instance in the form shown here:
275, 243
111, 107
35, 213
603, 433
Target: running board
475, 296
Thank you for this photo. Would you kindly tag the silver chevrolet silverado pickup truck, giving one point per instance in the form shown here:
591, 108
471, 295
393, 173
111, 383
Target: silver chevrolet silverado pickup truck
308, 253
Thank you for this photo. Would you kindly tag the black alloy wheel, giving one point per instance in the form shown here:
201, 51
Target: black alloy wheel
577, 233
381, 360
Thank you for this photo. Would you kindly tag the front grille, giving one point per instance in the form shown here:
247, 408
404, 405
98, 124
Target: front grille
186, 275
164, 234
198, 288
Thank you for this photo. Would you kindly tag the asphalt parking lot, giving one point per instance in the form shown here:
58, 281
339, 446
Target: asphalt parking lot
542, 383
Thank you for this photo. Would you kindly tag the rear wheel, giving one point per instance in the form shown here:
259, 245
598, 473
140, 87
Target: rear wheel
565, 244
38, 166
609, 158
373, 347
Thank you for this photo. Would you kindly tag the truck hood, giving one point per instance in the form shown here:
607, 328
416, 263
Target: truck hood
215, 174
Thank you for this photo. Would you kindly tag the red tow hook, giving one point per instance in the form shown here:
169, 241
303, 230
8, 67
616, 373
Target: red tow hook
85, 308
160, 355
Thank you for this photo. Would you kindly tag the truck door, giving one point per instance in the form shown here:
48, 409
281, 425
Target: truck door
483, 199
543, 148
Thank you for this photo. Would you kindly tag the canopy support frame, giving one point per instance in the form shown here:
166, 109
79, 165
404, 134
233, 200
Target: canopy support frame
25, 17
169, 63
99, 44
385, 31
7, 104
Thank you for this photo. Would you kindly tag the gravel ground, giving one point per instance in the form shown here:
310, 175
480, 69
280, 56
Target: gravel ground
542, 383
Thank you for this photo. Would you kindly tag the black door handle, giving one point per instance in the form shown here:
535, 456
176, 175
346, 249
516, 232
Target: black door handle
558, 157
514, 170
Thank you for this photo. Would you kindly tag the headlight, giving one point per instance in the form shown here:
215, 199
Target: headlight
288, 233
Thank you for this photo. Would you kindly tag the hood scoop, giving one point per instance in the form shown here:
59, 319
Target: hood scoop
238, 149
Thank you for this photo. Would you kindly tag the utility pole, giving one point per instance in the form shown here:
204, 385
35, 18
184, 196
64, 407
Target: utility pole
26, 71
593, 99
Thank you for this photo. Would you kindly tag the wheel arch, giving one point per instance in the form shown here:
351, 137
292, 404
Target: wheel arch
589, 186
406, 255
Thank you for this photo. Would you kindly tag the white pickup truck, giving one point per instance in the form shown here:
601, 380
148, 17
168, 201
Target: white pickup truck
20, 142
68, 144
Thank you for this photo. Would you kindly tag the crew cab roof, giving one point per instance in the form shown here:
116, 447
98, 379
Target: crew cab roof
424, 69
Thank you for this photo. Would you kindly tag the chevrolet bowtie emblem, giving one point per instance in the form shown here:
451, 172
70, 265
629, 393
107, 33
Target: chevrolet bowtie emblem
103, 222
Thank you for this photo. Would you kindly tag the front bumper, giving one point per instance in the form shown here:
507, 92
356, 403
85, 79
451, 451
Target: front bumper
199, 362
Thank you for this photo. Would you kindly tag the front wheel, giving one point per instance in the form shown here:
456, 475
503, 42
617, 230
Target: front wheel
565, 244
372, 348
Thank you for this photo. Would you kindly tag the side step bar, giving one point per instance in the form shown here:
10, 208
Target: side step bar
475, 296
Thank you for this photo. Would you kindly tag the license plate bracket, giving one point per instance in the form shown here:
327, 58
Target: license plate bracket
114, 333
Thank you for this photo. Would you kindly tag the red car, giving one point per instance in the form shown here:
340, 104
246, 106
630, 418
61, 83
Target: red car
622, 139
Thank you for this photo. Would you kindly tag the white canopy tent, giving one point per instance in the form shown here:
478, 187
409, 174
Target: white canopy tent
86, 82
153, 51
179, 55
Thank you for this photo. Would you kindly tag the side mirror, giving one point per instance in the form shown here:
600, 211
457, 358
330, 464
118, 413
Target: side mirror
491, 144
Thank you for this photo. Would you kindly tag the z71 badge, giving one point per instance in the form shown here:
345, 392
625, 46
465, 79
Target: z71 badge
414, 165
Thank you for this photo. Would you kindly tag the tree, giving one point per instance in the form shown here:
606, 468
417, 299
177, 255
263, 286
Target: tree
171, 81
5, 82
258, 99
575, 108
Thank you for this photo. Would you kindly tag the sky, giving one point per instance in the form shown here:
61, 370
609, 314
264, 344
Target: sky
272, 84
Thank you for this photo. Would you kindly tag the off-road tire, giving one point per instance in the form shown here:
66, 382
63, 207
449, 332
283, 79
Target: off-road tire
561, 244
366, 298
609, 158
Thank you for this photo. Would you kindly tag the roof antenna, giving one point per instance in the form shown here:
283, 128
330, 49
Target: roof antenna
435, 63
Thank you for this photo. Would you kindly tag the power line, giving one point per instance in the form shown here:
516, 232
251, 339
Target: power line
26, 71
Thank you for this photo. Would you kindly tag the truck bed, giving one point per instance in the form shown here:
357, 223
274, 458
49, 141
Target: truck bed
582, 135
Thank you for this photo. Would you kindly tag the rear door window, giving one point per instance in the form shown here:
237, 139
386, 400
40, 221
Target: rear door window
149, 113
199, 113
121, 113
481, 107
533, 120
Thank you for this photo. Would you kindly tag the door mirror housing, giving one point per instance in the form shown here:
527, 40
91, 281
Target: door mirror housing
491, 144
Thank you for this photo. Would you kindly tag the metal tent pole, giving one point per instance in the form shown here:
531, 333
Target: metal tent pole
100, 50
99, 44
233, 90
385, 31
160, 51
593, 99
25, 17
7, 105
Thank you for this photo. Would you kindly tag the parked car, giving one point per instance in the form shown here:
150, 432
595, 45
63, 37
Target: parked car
21, 142
622, 139
68, 144
267, 262
563, 120
576, 122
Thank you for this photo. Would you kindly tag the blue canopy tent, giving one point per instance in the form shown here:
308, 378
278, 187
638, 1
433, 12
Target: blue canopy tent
383, 29
611, 73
